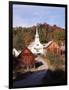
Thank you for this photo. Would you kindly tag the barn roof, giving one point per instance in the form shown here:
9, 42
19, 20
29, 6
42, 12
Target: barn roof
49, 43
26, 51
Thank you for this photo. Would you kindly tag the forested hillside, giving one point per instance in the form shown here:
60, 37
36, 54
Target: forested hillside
22, 36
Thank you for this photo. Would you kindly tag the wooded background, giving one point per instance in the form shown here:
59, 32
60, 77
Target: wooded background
22, 36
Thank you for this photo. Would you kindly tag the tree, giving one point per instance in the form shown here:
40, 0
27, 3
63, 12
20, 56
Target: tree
20, 42
59, 35
26, 38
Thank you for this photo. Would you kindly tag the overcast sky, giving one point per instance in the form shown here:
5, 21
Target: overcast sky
27, 15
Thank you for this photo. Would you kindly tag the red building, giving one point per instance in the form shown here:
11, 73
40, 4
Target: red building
53, 47
26, 58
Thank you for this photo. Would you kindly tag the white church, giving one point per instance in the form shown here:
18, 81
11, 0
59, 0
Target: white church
36, 47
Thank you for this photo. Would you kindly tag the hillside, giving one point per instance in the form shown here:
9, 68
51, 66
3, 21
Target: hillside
22, 36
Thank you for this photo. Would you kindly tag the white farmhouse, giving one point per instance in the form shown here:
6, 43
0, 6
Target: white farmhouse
15, 52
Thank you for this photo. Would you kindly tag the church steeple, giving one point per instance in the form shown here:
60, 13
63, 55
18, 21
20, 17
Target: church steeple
37, 35
36, 47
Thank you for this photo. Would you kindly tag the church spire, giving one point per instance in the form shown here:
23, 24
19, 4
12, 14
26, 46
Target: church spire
37, 32
37, 47
37, 35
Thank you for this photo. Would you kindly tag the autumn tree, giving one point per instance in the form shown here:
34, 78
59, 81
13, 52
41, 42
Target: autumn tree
26, 38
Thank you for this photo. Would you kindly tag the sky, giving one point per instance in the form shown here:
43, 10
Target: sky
28, 15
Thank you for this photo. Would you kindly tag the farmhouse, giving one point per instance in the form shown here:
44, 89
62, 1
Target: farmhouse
52, 46
15, 52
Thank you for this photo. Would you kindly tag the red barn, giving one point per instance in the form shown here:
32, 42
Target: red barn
26, 58
53, 47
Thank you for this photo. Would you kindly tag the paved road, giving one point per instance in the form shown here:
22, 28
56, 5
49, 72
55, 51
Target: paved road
33, 79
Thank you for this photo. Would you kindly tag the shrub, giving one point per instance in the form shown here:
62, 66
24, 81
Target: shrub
55, 60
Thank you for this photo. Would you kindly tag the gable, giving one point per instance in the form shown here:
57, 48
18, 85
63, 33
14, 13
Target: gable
26, 52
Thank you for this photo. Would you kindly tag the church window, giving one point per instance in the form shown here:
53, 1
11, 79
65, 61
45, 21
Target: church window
37, 44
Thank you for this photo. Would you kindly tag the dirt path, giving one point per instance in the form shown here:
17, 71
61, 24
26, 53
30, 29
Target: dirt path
44, 66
